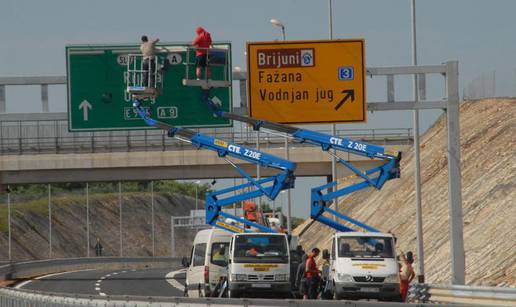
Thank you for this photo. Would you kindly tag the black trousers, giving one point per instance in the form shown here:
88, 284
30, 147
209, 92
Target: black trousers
313, 287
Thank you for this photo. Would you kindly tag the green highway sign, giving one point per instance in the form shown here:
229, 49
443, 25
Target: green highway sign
97, 97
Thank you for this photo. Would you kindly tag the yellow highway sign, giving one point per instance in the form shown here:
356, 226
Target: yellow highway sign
301, 82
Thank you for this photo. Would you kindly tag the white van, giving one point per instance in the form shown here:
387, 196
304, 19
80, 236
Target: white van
363, 265
259, 263
208, 261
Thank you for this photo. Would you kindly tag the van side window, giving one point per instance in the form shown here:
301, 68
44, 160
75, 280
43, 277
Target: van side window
219, 253
199, 254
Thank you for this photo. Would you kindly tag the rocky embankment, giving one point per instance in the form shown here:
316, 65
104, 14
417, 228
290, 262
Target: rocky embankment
488, 162
30, 227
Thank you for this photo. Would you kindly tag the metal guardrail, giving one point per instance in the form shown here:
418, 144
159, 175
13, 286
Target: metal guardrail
456, 295
468, 295
29, 269
25, 136
19, 298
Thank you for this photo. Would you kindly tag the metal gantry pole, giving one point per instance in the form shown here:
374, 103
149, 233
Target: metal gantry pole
152, 219
49, 222
120, 215
333, 126
289, 203
330, 19
417, 174
9, 220
234, 193
258, 166
454, 176
87, 220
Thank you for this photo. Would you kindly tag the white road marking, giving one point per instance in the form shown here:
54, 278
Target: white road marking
102, 294
103, 277
170, 277
97, 284
49, 275
108, 275
123, 271
115, 273
97, 289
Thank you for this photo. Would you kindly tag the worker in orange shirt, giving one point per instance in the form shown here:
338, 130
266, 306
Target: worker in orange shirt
312, 274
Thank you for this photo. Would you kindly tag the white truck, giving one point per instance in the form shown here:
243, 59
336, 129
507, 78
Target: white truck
363, 265
259, 264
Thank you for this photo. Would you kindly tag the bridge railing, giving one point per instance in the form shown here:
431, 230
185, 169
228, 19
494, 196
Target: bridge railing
26, 136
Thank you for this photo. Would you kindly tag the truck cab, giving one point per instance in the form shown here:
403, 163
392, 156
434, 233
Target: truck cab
363, 265
259, 263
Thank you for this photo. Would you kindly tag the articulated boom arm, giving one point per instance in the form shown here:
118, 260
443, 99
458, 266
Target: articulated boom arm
374, 177
270, 186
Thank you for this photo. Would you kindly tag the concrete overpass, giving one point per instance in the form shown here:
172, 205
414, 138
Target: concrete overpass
188, 163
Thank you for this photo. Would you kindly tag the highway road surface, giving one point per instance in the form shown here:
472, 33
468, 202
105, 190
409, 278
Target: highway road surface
140, 282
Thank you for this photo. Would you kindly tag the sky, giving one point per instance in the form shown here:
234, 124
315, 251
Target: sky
477, 33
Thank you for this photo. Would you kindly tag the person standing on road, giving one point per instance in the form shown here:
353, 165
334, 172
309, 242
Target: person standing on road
98, 248
202, 42
312, 274
326, 285
148, 50
406, 275
300, 278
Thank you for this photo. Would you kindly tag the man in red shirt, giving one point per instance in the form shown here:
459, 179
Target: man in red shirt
312, 274
202, 42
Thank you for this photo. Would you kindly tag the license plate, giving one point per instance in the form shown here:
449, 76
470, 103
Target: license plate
370, 289
261, 285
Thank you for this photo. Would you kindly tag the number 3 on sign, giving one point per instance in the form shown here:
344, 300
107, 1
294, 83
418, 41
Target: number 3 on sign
346, 73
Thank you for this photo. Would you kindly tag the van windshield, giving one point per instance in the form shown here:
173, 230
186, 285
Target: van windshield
260, 248
370, 247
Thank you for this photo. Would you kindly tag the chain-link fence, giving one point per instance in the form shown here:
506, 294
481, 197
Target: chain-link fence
96, 219
491, 84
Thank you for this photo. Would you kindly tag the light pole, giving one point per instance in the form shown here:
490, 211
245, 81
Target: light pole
419, 217
9, 220
153, 234
87, 220
278, 24
333, 126
196, 202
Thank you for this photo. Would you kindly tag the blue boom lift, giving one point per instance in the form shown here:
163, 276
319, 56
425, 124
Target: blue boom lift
216, 201
321, 196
